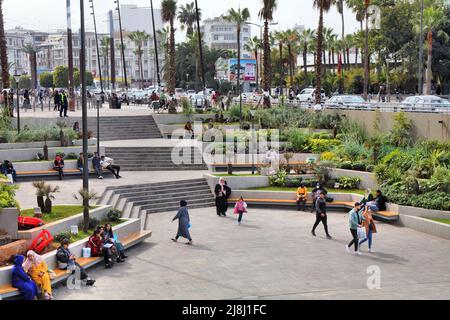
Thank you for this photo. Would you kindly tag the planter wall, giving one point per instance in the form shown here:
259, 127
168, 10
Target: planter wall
123, 230
437, 229
62, 225
30, 154
40, 144
238, 182
179, 118
368, 179
8, 221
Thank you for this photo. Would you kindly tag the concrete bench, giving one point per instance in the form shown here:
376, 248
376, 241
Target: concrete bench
8, 291
247, 166
380, 215
53, 173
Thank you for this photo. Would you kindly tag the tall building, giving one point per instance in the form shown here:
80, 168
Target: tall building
136, 18
222, 34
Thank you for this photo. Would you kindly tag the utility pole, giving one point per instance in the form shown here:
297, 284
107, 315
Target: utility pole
70, 57
100, 75
366, 53
112, 50
202, 69
156, 46
123, 47
84, 107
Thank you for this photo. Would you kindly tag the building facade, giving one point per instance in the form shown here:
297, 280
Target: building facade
219, 33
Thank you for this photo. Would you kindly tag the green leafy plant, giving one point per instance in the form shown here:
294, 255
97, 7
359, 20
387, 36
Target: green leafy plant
348, 182
114, 215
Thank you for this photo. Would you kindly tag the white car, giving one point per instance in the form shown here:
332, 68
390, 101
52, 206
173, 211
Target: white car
346, 102
309, 95
426, 104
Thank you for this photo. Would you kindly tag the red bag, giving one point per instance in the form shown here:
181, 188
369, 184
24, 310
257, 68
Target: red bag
42, 241
29, 222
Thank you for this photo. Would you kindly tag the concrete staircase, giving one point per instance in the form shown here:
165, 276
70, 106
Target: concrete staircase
138, 201
153, 159
123, 127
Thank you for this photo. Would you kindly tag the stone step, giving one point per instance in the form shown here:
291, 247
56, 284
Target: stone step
164, 198
145, 192
175, 206
157, 184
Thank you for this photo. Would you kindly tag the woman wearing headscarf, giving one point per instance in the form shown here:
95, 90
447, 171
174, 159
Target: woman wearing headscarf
37, 268
222, 193
58, 165
108, 237
22, 281
183, 223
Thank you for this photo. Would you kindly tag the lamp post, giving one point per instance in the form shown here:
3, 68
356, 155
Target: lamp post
100, 74
123, 48
17, 78
187, 80
253, 142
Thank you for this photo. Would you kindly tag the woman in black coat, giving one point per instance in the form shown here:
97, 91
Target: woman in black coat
222, 193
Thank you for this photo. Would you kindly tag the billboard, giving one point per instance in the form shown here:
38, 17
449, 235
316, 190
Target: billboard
248, 70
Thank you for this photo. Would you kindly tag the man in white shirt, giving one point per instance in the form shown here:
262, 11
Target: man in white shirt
107, 163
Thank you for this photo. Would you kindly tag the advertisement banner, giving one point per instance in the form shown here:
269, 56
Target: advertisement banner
248, 70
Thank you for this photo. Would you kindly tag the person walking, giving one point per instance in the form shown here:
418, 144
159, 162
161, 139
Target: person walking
184, 223
321, 215
302, 195
369, 224
64, 105
239, 208
355, 219
222, 193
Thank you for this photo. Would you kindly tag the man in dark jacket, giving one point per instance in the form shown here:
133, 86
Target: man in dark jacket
64, 105
96, 162
379, 202
66, 260
321, 215
57, 100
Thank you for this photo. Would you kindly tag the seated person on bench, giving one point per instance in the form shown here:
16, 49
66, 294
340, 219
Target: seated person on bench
98, 249
378, 203
7, 168
302, 195
107, 163
67, 261
58, 165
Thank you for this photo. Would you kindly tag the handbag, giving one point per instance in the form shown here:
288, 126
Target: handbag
362, 233
86, 252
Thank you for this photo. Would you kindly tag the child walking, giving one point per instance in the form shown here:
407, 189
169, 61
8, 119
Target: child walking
240, 208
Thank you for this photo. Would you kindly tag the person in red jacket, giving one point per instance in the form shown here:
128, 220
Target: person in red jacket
98, 249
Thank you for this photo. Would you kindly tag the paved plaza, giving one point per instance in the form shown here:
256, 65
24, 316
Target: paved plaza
271, 256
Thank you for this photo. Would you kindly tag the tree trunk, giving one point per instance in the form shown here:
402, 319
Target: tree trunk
429, 63
3, 51
305, 60
47, 205
319, 58
238, 74
291, 66
280, 47
334, 61
45, 152
172, 70
257, 70
40, 203
267, 71
356, 56
86, 219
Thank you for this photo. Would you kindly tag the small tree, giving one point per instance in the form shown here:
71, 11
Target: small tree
49, 192
61, 77
39, 185
46, 79
61, 125
46, 136
86, 197
25, 82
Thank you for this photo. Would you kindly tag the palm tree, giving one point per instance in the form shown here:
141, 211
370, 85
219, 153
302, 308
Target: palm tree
169, 11
340, 8
163, 35
266, 14
187, 17
433, 18
280, 38
139, 37
331, 40
104, 52
358, 7
306, 37
328, 34
32, 50
86, 196
253, 45
323, 6
239, 17
3, 50
292, 38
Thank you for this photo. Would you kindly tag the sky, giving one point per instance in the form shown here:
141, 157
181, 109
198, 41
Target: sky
49, 15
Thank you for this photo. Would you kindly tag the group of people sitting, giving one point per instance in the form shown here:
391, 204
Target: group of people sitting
7, 168
32, 276
99, 164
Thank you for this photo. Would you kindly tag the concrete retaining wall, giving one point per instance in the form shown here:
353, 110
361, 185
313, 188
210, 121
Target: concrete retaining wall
30, 154
123, 230
238, 182
40, 144
437, 229
8, 221
45, 165
285, 195
59, 226
179, 118
424, 213
368, 179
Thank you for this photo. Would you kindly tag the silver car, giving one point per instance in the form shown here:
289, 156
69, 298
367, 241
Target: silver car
426, 104
346, 102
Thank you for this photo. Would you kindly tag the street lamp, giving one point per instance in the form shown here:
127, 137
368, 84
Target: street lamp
253, 142
123, 48
17, 78
420, 76
100, 74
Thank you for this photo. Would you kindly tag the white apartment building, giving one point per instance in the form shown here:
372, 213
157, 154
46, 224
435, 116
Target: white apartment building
222, 34
136, 18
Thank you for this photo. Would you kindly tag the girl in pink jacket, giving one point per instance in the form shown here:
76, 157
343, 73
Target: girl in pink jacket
240, 208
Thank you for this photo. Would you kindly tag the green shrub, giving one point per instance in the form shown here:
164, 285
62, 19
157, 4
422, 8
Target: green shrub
278, 179
187, 106
63, 235
322, 145
71, 156
114, 215
348, 182
7, 195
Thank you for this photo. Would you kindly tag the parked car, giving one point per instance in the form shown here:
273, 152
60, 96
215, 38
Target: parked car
346, 102
198, 101
309, 95
426, 104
